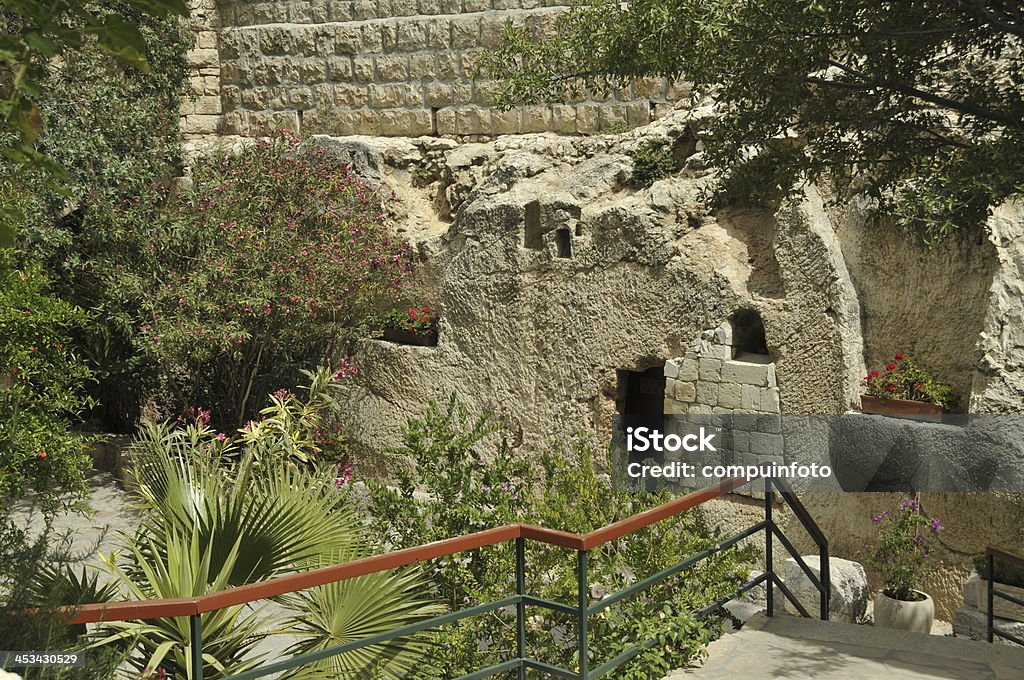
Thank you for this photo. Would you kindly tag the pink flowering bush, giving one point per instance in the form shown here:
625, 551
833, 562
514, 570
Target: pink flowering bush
275, 257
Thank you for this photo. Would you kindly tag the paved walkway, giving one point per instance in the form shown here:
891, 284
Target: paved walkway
792, 648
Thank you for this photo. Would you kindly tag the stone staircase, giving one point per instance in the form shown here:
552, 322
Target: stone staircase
796, 648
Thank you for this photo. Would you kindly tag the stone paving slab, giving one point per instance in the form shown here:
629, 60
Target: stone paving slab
788, 647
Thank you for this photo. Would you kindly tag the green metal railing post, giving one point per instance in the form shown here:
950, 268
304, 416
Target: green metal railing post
989, 594
521, 606
769, 565
196, 648
583, 602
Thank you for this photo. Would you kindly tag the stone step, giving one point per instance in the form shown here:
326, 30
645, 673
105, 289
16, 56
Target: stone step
789, 647
324, 11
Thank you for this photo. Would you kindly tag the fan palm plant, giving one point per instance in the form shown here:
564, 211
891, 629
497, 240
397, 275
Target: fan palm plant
216, 515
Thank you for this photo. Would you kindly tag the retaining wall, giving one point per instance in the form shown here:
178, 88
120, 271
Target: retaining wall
383, 67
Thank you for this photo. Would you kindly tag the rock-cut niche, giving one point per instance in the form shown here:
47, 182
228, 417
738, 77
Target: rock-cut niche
748, 334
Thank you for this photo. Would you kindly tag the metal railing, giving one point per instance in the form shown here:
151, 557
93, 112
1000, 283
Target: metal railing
583, 609
991, 555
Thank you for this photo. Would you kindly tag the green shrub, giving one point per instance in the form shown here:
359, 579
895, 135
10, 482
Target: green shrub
114, 130
271, 261
42, 466
470, 490
653, 161
41, 381
1005, 572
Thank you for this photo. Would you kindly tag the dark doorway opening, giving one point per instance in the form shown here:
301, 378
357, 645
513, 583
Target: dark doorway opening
642, 393
533, 237
563, 242
642, 404
748, 333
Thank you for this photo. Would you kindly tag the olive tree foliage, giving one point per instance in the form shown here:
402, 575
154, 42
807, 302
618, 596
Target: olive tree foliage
33, 35
917, 105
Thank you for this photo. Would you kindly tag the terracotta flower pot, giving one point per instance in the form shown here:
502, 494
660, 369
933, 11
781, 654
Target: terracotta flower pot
902, 615
404, 337
901, 408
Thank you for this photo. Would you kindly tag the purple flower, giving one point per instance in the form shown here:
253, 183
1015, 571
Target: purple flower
936, 525
878, 518
910, 504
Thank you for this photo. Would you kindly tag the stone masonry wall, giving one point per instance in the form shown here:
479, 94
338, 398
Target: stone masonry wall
393, 68
201, 110
713, 377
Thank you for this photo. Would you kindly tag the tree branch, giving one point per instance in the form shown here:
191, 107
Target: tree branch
959, 106
991, 18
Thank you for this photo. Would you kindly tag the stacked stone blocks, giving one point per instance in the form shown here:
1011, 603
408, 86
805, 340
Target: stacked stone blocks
713, 378
396, 67
202, 109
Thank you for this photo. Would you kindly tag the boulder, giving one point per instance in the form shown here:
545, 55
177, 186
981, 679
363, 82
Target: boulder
849, 588
971, 623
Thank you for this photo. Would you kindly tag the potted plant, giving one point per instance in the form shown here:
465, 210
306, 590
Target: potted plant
1010, 580
413, 326
904, 389
903, 559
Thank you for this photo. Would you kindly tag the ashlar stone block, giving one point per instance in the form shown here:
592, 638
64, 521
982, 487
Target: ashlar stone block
729, 395
711, 370
745, 373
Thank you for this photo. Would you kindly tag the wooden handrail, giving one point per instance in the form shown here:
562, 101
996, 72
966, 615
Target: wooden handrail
149, 609
1004, 555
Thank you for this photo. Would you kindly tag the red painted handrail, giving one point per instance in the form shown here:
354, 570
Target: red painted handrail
189, 606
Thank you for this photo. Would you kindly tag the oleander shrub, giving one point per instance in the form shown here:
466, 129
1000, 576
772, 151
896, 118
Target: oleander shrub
274, 258
472, 481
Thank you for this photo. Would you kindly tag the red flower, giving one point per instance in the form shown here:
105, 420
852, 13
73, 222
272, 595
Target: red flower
890, 367
41, 454
872, 374
890, 387
901, 356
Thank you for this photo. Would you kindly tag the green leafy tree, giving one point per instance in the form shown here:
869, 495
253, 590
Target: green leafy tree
917, 105
113, 130
35, 33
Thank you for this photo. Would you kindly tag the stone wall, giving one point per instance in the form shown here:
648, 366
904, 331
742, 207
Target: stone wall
714, 377
388, 67
539, 330
201, 109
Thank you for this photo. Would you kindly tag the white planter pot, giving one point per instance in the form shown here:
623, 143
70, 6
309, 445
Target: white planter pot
914, 616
